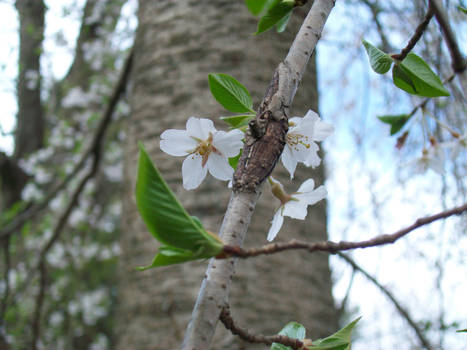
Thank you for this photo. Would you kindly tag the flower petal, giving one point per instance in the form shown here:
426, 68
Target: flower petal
177, 142
296, 209
193, 171
219, 167
276, 225
200, 127
307, 186
310, 198
322, 130
228, 143
288, 160
313, 159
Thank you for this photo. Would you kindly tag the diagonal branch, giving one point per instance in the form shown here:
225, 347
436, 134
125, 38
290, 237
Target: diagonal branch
417, 35
263, 146
226, 319
96, 151
459, 62
333, 247
403, 312
94, 147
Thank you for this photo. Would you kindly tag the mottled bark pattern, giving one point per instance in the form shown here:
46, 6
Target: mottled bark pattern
178, 43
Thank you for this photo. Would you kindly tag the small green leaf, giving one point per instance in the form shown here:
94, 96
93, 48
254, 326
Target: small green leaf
380, 62
292, 330
234, 160
462, 9
168, 255
403, 80
282, 24
462, 331
338, 341
396, 121
236, 121
232, 95
257, 6
414, 76
276, 12
182, 236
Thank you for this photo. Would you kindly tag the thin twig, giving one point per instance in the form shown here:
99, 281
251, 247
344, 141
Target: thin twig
417, 35
96, 142
226, 319
404, 313
333, 247
96, 152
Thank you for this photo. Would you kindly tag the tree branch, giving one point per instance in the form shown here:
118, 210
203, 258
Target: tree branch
94, 147
403, 312
6, 277
226, 319
333, 247
96, 151
417, 35
263, 146
459, 63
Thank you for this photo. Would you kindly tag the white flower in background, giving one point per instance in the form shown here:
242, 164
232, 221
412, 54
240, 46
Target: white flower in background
293, 205
432, 158
205, 148
300, 141
456, 146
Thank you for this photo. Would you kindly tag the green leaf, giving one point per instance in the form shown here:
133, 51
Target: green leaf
168, 255
167, 220
338, 341
402, 80
462, 9
237, 121
396, 121
257, 6
277, 11
232, 95
414, 76
380, 62
282, 24
234, 160
292, 330
462, 331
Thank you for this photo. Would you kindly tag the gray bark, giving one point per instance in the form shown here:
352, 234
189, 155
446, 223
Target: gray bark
30, 119
177, 45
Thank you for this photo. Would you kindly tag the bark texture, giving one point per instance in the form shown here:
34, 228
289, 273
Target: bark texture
177, 45
29, 133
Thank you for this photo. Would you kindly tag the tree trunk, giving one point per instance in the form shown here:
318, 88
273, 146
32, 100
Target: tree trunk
29, 134
177, 45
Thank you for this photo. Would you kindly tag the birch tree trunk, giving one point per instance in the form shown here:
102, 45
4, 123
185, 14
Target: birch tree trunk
177, 45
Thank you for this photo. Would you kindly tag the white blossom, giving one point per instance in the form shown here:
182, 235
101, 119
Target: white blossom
300, 141
432, 158
456, 146
206, 148
293, 205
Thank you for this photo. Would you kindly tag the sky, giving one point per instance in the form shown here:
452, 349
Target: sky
355, 184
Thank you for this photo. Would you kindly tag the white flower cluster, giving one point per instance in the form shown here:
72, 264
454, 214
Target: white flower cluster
208, 150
